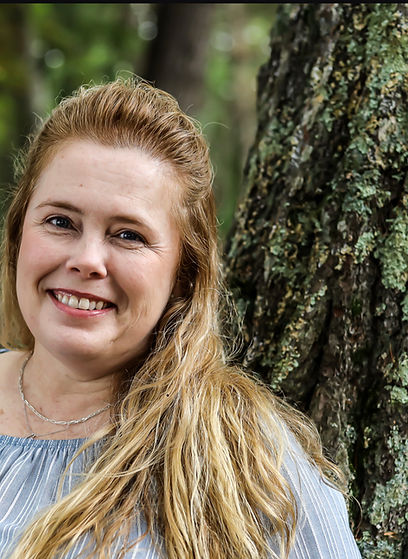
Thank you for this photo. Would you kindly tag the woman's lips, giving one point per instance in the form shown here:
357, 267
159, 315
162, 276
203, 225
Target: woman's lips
83, 303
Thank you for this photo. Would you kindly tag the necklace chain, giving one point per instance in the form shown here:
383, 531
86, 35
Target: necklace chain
48, 419
33, 435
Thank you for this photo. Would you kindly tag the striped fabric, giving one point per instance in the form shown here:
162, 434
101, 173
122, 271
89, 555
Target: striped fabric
30, 471
29, 474
323, 526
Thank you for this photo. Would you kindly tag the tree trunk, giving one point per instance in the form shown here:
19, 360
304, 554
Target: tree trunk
177, 60
14, 54
318, 257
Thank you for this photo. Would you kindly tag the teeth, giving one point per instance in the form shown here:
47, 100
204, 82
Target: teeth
80, 303
73, 302
83, 304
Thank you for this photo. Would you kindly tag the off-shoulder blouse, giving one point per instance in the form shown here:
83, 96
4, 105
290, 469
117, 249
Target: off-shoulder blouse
30, 471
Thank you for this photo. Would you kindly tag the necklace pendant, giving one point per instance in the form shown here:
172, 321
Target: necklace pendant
30, 436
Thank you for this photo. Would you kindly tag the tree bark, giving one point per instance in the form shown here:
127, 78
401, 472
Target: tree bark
318, 258
178, 56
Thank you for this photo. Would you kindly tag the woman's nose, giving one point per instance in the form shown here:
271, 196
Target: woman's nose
88, 259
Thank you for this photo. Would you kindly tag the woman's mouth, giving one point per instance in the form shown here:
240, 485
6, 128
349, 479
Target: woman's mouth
78, 302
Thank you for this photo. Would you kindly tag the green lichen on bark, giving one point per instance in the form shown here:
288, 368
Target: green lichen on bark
364, 246
318, 257
392, 249
384, 549
392, 495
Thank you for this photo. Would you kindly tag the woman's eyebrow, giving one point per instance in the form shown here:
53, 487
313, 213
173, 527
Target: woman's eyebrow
62, 205
140, 222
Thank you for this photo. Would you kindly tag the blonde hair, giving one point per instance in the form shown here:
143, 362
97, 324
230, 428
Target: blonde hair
195, 444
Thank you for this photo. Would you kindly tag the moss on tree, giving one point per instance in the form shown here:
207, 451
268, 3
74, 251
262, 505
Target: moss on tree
318, 258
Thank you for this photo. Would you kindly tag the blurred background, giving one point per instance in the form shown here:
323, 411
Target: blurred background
207, 55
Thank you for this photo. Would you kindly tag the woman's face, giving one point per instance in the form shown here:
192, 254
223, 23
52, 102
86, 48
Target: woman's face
99, 253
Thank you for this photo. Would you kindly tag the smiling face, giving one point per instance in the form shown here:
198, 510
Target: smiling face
99, 253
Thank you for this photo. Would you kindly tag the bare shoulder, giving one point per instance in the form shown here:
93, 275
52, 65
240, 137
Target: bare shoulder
11, 416
10, 362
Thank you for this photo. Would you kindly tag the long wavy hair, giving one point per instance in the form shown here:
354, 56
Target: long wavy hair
195, 445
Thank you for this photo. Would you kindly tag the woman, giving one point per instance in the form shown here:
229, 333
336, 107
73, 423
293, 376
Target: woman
110, 296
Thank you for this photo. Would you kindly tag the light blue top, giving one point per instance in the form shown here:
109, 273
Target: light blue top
30, 471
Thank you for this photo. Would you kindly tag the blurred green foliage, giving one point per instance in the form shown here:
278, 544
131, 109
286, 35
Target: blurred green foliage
239, 44
47, 50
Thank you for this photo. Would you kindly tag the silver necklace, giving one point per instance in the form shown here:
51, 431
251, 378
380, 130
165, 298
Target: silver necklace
48, 419
33, 435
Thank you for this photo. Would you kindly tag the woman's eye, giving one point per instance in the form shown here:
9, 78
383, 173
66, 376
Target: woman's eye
60, 222
132, 236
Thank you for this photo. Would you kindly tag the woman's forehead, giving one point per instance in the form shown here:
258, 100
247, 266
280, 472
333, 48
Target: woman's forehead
79, 161
126, 179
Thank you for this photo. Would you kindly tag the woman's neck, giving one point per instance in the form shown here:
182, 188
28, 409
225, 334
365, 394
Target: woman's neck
64, 391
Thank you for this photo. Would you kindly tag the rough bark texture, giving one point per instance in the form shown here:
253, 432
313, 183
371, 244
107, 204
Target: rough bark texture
318, 258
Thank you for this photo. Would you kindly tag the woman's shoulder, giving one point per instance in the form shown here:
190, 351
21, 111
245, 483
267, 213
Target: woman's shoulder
9, 362
323, 525
10, 401
8, 356
5, 352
